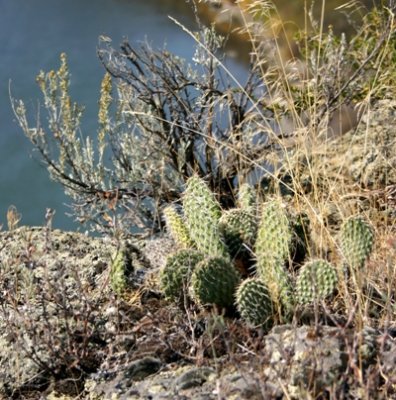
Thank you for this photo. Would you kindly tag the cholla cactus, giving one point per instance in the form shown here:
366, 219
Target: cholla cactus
176, 274
254, 303
357, 239
238, 227
246, 197
202, 213
214, 281
177, 228
121, 270
272, 249
316, 281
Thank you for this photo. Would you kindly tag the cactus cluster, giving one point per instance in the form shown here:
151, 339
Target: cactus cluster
211, 273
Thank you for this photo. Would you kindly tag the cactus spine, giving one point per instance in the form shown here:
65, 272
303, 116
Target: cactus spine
214, 281
177, 228
202, 213
254, 303
176, 274
357, 239
316, 280
273, 243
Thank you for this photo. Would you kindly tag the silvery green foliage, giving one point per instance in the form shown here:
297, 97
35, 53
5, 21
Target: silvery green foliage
357, 240
202, 214
175, 275
254, 302
316, 281
214, 281
159, 120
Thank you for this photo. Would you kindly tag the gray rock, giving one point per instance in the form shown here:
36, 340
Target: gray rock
140, 369
192, 378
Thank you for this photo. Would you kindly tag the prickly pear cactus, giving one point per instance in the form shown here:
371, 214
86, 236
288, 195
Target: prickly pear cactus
316, 280
254, 303
238, 227
202, 213
214, 281
177, 228
176, 274
246, 197
121, 270
272, 248
357, 239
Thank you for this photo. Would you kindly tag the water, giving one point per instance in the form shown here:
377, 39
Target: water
32, 35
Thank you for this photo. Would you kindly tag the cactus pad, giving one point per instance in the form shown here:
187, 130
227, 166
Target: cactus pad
238, 227
214, 281
316, 281
177, 229
202, 213
121, 270
246, 197
274, 238
176, 274
254, 302
357, 239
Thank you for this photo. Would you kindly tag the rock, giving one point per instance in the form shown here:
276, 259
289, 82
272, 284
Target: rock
142, 368
192, 378
53, 291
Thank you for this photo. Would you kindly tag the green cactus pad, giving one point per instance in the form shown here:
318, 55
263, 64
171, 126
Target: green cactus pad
272, 248
316, 281
274, 236
238, 227
357, 239
121, 270
214, 281
176, 274
254, 303
177, 228
202, 213
246, 197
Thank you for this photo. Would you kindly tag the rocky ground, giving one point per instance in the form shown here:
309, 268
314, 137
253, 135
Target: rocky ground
65, 334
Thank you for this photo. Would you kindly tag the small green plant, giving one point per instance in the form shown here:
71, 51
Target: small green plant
121, 270
214, 281
254, 303
316, 281
357, 239
175, 275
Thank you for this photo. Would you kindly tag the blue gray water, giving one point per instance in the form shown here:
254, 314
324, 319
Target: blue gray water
32, 35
